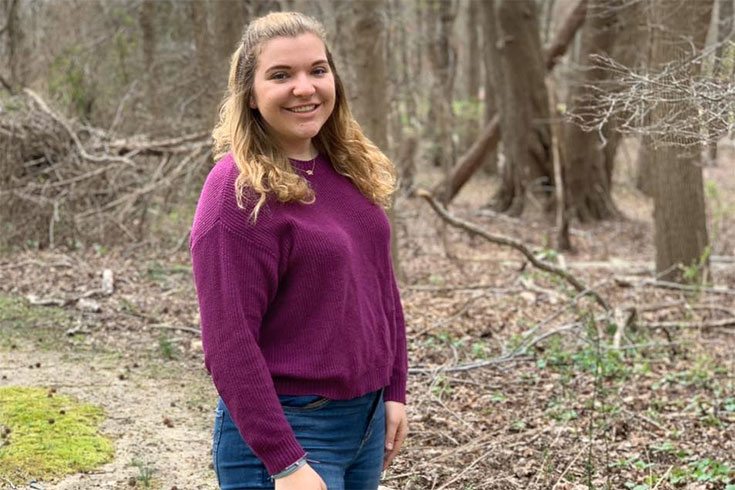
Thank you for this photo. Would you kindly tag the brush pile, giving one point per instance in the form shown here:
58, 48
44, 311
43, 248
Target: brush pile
62, 182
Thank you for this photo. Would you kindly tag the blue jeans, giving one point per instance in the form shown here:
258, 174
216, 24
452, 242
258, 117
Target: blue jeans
344, 441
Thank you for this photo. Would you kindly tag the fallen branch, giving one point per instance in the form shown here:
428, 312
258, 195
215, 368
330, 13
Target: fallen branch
511, 242
175, 327
627, 283
724, 322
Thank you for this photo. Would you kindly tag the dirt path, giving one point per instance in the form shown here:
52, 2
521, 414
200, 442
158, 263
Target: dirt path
137, 395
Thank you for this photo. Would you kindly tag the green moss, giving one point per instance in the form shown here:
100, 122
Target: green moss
49, 436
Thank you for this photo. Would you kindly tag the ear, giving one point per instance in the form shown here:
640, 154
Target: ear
252, 103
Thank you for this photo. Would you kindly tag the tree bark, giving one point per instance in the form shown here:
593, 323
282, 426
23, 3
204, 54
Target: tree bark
488, 156
725, 25
14, 35
589, 164
439, 22
472, 63
679, 211
488, 139
523, 102
146, 20
205, 59
231, 17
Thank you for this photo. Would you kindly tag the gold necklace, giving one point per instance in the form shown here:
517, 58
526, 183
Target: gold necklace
313, 165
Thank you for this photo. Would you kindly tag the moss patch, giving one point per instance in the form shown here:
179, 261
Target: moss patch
46, 437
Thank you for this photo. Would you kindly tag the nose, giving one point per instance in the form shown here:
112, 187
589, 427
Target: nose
303, 86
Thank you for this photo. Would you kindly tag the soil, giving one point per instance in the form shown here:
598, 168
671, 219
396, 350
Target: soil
566, 414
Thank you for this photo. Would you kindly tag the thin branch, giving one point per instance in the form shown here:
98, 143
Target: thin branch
513, 243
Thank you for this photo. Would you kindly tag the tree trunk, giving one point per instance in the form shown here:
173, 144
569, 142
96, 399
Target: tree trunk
14, 34
439, 22
205, 60
488, 139
368, 58
147, 22
523, 101
472, 63
406, 91
491, 108
645, 161
725, 33
644, 164
679, 212
231, 17
589, 164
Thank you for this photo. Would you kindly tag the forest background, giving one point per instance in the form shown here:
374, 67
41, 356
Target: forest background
563, 233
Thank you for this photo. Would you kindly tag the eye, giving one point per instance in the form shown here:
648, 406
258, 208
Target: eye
279, 75
320, 71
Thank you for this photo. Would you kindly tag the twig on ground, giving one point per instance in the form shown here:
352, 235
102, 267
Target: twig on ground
175, 327
444, 321
569, 466
467, 468
627, 283
724, 322
10, 483
663, 477
511, 242
427, 287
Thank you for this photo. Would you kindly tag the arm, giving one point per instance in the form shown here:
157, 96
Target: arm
396, 421
235, 280
396, 389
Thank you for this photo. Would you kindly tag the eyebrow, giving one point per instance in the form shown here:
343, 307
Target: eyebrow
287, 67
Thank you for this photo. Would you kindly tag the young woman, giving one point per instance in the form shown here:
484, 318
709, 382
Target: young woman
302, 324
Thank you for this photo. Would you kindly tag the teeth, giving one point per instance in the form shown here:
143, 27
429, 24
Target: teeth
305, 108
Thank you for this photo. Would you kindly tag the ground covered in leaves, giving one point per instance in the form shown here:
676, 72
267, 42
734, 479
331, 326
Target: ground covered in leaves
516, 381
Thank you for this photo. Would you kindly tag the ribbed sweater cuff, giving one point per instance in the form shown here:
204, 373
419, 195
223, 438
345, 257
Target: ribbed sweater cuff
288, 452
395, 392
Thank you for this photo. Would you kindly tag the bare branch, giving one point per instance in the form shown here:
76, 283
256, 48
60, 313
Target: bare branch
510, 242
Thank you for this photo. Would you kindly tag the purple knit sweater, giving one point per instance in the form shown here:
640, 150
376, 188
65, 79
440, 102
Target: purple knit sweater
304, 302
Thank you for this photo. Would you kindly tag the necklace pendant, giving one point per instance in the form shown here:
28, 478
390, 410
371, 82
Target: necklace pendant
310, 172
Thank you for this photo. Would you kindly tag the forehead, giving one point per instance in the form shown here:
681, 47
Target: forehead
302, 49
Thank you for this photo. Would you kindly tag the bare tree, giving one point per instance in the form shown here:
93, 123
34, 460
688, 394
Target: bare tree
679, 213
491, 108
440, 15
488, 139
11, 29
589, 167
146, 19
725, 25
205, 59
230, 16
523, 101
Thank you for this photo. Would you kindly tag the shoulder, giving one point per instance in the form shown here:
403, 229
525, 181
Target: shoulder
217, 192
218, 204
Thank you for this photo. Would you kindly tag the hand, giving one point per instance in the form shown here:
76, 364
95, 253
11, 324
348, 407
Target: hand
396, 429
305, 478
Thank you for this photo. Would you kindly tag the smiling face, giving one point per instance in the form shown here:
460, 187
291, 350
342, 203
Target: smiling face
294, 91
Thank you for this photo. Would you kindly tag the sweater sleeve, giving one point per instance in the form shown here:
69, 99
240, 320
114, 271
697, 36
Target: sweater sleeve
235, 282
396, 389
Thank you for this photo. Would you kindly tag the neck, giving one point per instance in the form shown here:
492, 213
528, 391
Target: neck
305, 152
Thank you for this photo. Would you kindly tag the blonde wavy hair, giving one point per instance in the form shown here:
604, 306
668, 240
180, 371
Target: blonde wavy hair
264, 168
